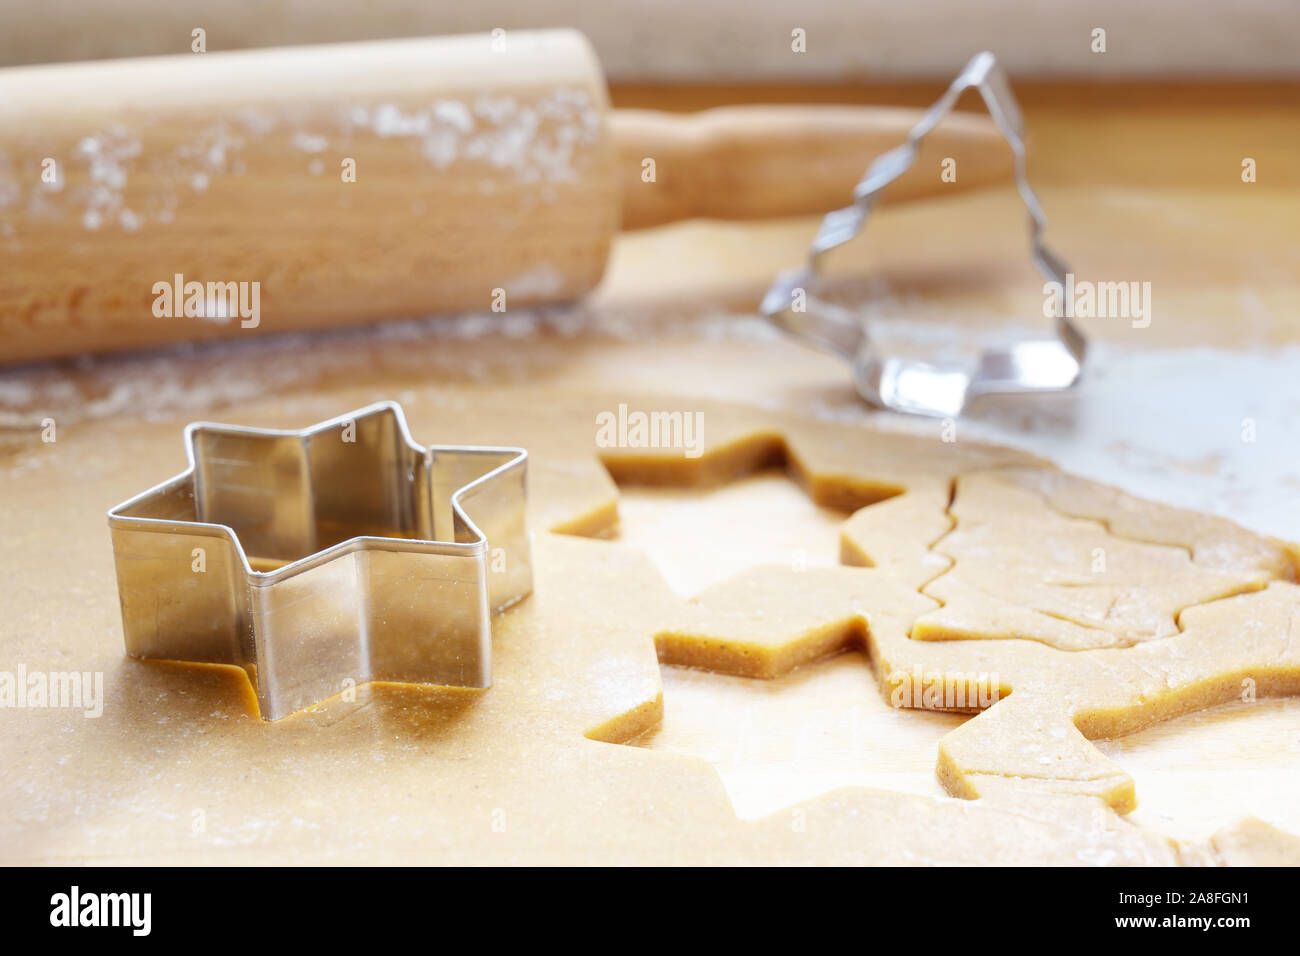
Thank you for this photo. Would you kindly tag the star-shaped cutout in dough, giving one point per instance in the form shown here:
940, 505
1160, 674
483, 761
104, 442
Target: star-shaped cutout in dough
798, 735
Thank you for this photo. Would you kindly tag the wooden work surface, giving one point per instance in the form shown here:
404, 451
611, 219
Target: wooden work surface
1140, 183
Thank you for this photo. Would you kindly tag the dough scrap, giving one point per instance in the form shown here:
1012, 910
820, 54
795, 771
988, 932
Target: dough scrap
1252, 842
1185, 611
1095, 587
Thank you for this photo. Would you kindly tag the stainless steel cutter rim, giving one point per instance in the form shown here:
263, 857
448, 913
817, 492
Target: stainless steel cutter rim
257, 578
1034, 366
411, 610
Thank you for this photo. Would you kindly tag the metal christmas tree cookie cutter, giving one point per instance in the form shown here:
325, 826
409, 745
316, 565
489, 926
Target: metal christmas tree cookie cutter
344, 552
907, 385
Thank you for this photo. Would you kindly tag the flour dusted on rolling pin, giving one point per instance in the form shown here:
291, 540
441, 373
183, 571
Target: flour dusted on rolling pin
536, 141
351, 183
495, 130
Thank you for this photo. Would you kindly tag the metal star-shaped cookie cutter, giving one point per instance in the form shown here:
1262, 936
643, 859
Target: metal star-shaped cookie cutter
345, 552
907, 385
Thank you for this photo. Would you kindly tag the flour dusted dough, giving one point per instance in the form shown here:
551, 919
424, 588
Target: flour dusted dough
528, 771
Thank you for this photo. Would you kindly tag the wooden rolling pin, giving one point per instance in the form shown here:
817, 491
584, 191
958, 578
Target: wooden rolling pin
206, 195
